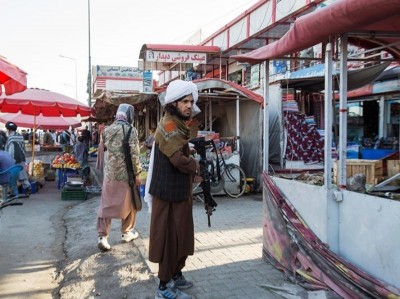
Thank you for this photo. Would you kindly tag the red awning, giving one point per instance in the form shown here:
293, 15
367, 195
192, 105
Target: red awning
364, 18
178, 48
11, 77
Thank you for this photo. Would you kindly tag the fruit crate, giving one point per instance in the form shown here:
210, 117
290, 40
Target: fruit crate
373, 170
73, 195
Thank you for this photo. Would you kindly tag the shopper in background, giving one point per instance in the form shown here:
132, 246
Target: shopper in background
95, 136
116, 201
47, 138
171, 226
54, 136
87, 136
148, 143
82, 154
16, 148
3, 140
25, 134
73, 139
65, 139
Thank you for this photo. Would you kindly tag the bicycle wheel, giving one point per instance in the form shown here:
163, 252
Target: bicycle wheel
235, 180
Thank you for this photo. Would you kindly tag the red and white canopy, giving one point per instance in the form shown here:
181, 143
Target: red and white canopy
370, 24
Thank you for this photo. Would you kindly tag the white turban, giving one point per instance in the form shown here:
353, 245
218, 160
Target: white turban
178, 89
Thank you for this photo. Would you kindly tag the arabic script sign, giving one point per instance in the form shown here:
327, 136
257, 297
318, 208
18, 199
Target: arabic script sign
177, 57
118, 71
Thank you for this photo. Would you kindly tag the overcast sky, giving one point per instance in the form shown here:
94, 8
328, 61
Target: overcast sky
35, 32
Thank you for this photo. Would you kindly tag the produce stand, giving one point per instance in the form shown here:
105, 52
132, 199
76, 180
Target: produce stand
66, 167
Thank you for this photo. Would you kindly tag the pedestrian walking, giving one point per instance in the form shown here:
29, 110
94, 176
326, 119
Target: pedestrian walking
116, 200
16, 148
169, 188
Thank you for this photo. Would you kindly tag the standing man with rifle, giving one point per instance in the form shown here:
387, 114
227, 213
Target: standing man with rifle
172, 172
116, 197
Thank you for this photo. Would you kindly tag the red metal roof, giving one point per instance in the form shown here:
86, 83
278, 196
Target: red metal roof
210, 84
371, 23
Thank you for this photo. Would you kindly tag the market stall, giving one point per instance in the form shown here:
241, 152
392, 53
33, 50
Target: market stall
40, 104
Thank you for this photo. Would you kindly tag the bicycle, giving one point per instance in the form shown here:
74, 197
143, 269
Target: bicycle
227, 177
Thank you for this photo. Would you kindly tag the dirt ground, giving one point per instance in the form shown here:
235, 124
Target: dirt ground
88, 273
48, 249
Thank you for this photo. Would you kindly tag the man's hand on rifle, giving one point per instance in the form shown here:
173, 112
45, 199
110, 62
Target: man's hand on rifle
197, 177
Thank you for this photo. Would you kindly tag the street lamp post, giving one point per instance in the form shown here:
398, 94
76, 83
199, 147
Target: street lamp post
90, 68
76, 74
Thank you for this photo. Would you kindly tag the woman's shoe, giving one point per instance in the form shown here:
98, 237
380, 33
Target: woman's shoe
102, 243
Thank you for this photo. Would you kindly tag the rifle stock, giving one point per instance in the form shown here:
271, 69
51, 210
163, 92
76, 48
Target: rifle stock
209, 203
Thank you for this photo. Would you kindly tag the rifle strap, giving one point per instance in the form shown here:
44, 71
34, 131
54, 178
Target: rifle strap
128, 160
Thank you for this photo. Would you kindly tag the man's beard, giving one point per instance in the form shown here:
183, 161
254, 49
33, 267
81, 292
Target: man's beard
176, 111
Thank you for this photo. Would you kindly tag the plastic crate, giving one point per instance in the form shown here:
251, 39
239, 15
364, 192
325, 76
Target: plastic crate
73, 195
34, 188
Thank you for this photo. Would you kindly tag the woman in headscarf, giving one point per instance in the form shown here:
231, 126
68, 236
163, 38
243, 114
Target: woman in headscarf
116, 201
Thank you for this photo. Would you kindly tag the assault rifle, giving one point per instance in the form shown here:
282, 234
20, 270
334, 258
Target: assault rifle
200, 144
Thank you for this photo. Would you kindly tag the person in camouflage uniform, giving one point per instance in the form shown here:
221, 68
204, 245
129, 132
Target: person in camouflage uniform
116, 201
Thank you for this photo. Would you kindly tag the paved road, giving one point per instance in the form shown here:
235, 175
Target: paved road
31, 244
47, 236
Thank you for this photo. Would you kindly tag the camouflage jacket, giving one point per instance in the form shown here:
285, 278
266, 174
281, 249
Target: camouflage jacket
115, 166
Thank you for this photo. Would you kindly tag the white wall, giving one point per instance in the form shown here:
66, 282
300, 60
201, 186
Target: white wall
370, 234
311, 206
369, 226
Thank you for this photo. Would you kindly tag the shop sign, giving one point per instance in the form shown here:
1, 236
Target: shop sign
147, 79
255, 76
175, 57
317, 70
386, 86
118, 71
